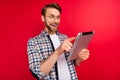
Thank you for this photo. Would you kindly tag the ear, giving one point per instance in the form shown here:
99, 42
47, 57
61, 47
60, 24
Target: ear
42, 18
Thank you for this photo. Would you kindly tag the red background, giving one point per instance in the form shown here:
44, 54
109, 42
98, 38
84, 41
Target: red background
20, 20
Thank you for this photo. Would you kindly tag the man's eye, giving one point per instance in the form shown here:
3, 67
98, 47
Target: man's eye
51, 17
58, 17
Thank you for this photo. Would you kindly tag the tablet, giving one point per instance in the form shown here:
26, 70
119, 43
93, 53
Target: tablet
81, 42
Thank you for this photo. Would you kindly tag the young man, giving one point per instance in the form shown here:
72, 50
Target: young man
48, 52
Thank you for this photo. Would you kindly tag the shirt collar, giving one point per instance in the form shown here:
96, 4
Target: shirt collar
44, 33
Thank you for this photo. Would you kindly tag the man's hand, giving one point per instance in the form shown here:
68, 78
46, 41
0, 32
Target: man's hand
65, 46
82, 55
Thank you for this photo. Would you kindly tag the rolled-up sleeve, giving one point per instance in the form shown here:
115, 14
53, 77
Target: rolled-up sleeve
34, 58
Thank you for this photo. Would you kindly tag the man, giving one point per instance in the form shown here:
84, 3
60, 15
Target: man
48, 52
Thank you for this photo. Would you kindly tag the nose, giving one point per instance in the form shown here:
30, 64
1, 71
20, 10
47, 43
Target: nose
56, 20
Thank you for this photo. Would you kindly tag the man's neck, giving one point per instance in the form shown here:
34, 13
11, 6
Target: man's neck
50, 32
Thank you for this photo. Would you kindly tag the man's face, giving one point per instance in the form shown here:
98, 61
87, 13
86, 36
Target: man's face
51, 20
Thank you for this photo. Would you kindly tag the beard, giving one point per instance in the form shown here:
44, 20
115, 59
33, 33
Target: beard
49, 27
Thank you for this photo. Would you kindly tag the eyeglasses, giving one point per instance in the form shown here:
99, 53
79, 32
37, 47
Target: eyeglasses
52, 17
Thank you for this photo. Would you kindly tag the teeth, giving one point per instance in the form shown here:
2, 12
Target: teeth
54, 25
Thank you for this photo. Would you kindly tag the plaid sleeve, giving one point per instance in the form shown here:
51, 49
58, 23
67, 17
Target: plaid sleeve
34, 58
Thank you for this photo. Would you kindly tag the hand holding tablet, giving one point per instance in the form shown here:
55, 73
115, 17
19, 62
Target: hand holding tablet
81, 42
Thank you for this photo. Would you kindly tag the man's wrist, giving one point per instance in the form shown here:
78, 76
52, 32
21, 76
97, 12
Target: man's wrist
77, 62
58, 51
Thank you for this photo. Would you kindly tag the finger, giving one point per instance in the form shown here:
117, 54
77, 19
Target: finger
71, 39
68, 43
84, 53
83, 57
85, 50
66, 48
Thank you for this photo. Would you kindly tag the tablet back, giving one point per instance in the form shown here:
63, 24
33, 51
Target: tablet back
81, 42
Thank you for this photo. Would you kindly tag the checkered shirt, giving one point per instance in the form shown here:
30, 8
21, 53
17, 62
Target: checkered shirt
39, 48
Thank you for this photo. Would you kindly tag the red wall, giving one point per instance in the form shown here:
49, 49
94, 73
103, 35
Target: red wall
20, 20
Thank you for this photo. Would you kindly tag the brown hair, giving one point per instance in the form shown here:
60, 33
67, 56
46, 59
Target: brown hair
51, 5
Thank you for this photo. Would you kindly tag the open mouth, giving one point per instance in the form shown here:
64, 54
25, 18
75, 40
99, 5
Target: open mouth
54, 24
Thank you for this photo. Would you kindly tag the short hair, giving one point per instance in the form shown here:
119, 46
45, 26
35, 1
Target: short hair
51, 5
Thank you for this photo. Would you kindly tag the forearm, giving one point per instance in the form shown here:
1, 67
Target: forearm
48, 64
